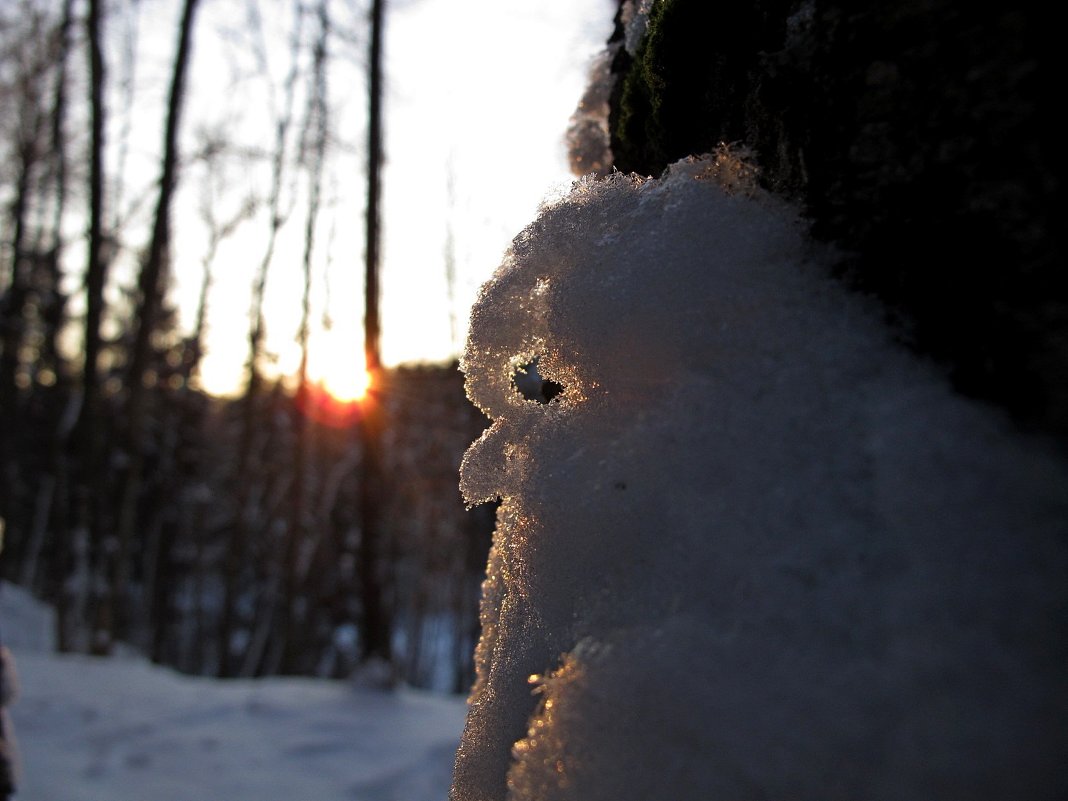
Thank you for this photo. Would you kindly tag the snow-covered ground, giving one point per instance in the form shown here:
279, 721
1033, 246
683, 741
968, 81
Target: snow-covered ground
125, 730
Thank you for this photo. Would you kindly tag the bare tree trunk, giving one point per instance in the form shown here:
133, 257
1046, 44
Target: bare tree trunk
29, 125
35, 51
90, 488
237, 544
376, 630
291, 629
54, 312
12, 304
52, 508
150, 289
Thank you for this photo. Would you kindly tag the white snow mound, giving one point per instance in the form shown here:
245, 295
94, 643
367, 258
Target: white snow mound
754, 550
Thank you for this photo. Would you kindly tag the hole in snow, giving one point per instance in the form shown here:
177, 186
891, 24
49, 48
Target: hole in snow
529, 383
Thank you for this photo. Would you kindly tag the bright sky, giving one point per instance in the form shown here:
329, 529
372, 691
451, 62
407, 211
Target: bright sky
478, 98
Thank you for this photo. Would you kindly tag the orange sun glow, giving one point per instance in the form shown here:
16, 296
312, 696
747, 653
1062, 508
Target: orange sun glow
347, 383
338, 383
337, 365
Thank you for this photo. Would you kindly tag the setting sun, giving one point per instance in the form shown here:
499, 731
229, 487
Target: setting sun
337, 380
336, 363
347, 383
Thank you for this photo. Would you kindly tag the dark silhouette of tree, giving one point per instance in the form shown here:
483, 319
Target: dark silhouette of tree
29, 128
291, 631
86, 540
376, 629
253, 437
53, 310
150, 299
51, 503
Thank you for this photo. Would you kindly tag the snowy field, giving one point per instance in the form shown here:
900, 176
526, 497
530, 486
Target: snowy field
126, 730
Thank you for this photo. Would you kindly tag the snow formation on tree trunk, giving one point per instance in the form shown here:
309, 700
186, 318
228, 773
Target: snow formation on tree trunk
754, 550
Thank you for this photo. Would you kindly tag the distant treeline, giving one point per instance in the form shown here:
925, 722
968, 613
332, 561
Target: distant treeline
242, 569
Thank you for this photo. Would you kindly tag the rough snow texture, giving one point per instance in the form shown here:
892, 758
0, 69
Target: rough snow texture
754, 550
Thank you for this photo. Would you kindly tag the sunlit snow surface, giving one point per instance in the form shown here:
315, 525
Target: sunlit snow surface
754, 550
124, 730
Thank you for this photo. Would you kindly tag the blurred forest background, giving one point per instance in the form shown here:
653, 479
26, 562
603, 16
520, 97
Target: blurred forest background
267, 528
276, 530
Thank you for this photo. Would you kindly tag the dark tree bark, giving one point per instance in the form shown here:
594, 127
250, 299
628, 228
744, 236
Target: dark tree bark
90, 486
53, 488
30, 125
920, 140
54, 310
292, 628
96, 271
376, 627
237, 546
151, 287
